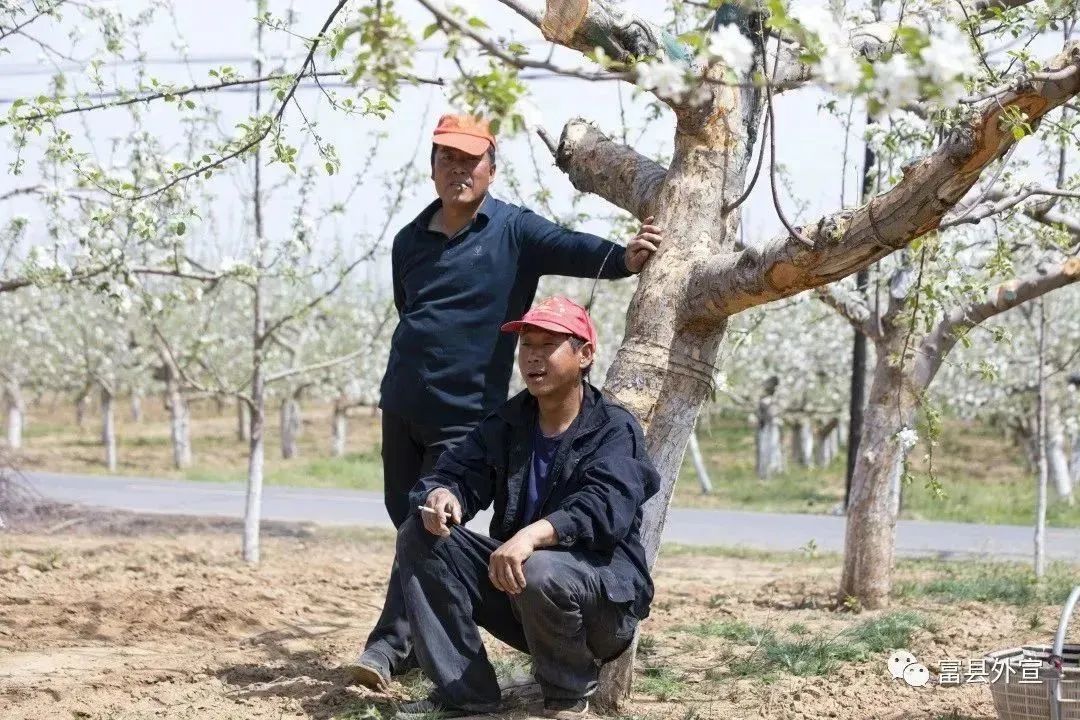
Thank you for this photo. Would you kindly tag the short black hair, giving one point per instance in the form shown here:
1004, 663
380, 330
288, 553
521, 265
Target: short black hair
577, 343
490, 154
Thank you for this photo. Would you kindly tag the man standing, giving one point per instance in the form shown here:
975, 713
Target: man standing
563, 575
465, 265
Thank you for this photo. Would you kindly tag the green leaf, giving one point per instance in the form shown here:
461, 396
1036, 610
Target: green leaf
329, 168
430, 30
190, 104
477, 23
180, 228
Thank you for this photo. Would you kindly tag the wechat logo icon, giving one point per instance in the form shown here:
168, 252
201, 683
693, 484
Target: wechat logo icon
903, 665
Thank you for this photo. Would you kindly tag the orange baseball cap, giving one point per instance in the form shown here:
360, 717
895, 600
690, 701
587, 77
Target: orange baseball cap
558, 314
464, 132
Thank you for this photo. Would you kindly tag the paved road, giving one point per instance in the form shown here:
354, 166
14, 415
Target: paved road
732, 528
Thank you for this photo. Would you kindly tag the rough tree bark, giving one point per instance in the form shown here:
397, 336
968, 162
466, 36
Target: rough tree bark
16, 414
108, 427
664, 369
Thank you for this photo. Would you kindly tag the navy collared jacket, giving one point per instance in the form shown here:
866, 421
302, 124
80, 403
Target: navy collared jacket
449, 363
601, 475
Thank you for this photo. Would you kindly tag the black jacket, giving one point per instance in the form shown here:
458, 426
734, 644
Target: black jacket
449, 364
601, 475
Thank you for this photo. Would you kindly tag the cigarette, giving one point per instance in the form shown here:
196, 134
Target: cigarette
447, 517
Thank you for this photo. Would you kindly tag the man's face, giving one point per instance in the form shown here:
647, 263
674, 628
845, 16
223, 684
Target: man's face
461, 178
548, 362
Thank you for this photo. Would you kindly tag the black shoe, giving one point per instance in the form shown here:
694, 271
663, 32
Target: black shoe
428, 709
372, 670
566, 709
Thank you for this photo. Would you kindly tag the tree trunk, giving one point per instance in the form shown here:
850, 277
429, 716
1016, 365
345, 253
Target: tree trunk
290, 427
339, 430
804, 443
108, 428
1074, 462
15, 414
136, 408
256, 450
1056, 455
768, 440
699, 465
870, 536
1040, 444
179, 422
826, 441
82, 404
243, 420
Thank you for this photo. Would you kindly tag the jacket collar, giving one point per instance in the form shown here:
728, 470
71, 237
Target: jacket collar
523, 409
487, 209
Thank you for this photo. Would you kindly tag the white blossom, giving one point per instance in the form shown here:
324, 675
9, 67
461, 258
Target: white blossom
665, 78
839, 69
895, 83
819, 21
948, 56
732, 48
907, 438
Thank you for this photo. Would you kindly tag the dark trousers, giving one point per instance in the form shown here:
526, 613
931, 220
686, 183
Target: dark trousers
409, 451
562, 618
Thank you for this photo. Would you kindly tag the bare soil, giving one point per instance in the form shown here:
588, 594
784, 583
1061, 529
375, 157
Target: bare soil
130, 617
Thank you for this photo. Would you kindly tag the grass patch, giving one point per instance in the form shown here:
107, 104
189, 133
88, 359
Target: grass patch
355, 471
810, 654
662, 683
739, 552
985, 479
733, 630
1010, 584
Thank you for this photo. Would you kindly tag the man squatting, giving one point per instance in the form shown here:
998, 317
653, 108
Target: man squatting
461, 269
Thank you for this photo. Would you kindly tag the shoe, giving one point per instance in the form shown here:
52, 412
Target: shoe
557, 709
371, 670
429, 709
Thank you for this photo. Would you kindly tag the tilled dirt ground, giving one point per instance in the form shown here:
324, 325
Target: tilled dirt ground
171, 624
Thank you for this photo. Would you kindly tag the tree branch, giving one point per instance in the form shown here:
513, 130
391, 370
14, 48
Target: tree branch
850, 306
618, 173
527, 10
317, 366
851, 240
947, 332
1001, 203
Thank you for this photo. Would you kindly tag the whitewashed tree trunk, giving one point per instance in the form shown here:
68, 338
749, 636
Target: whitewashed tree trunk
179, 423
1041, 440
290, 427
136, 408
108, 428
1074, 461
803, 442
699, 465
16, 414
243, 420
256, 449
768, 440
1056, 455
339, 431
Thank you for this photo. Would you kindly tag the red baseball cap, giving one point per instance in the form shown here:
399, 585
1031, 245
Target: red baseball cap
558, 314
464, 132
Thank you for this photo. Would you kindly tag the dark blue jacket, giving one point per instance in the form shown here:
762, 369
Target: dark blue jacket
448, 363
601, 475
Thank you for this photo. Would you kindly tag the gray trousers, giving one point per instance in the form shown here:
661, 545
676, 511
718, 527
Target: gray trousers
562, 619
